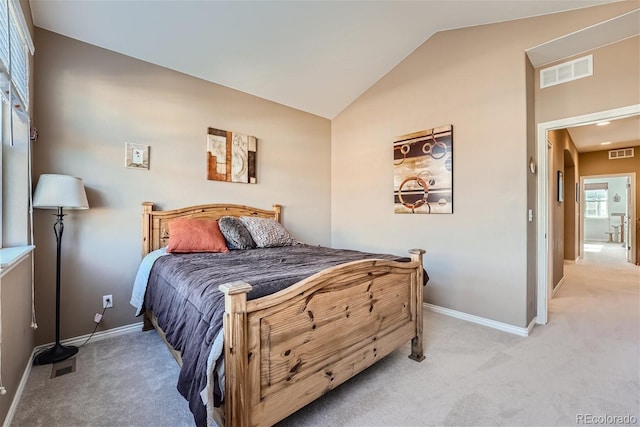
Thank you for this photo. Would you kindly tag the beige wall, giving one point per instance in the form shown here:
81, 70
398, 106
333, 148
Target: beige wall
565, 213
598, 163
614, 83
17, 335
532, 199
89, 101
473, 78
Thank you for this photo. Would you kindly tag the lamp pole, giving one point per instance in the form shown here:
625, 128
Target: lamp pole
58, 352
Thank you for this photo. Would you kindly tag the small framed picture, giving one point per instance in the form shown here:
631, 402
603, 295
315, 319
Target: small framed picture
136, 156
560, 186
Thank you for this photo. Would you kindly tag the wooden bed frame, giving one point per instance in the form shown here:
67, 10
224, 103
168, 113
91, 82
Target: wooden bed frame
285, 350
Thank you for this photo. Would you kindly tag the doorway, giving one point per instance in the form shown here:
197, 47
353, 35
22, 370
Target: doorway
545, 236
606, 217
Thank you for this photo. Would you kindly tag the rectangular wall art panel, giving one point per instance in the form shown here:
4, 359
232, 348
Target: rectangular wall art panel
423, 171
231, 156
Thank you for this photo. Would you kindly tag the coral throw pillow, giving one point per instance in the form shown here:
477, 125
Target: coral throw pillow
195, 235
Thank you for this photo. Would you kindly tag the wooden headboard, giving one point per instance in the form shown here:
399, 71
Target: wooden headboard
155, 232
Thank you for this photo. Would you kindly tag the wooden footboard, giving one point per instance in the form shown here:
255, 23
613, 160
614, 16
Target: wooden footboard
287, 349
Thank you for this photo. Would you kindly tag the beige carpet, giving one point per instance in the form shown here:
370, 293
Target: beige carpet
583, 363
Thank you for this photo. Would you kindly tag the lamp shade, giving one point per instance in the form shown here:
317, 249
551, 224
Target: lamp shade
60, 191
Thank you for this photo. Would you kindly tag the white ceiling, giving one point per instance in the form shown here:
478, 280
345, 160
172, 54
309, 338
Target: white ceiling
621, 133
316, 56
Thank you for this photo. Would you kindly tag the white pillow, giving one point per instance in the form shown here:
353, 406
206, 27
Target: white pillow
267, 232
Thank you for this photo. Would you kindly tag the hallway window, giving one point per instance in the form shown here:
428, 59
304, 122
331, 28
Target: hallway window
596, 203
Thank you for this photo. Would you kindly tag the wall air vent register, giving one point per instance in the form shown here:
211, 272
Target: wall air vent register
566, 72
623, 153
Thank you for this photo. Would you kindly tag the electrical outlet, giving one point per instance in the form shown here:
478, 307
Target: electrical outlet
107, 301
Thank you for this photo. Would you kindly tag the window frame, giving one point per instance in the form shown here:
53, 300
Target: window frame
14, 106
601, 203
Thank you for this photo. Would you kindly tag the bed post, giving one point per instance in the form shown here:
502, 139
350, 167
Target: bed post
236, 399
417, 345
277, 209
147, 207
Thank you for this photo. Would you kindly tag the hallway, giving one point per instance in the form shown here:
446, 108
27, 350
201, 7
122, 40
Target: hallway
599, 308
603, 282
602, 253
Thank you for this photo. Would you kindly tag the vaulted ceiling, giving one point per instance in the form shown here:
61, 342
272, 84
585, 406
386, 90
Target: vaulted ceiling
316, 56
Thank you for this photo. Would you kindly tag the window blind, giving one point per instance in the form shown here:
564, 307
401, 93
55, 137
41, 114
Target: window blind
15, 46
4, 34
18, 61
596, 186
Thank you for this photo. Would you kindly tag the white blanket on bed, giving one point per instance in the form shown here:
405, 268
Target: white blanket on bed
142, 277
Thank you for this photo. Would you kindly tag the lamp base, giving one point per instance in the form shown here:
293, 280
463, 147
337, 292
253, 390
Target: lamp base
57, 353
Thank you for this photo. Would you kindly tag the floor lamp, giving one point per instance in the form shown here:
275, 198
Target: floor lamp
58, 192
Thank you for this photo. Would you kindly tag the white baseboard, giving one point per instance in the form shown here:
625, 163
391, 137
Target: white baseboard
16, 397
555, 290
523, 332
98, 336
532, 325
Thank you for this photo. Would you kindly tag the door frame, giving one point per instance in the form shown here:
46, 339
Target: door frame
630, 254
544, 233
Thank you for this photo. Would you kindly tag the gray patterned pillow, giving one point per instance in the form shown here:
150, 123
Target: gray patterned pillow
267, 232
236, 234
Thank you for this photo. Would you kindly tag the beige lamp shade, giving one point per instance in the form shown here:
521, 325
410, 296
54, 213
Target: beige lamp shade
60, 191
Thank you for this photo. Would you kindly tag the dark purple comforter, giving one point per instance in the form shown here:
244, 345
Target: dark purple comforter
183, 294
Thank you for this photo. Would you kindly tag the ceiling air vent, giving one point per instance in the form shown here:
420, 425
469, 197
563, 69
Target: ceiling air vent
623, 153
566, 72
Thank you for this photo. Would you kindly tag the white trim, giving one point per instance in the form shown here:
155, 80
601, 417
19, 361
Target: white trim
10, 257
21, 386
557, 288
523, 332
98, 336
626, 23
531, 325
543, 252
542, 225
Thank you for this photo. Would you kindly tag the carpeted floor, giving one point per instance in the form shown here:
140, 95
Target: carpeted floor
128, 380
582, 365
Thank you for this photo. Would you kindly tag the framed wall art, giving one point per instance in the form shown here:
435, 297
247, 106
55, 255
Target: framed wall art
423, 172
560, 186
136, 156
231, 156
